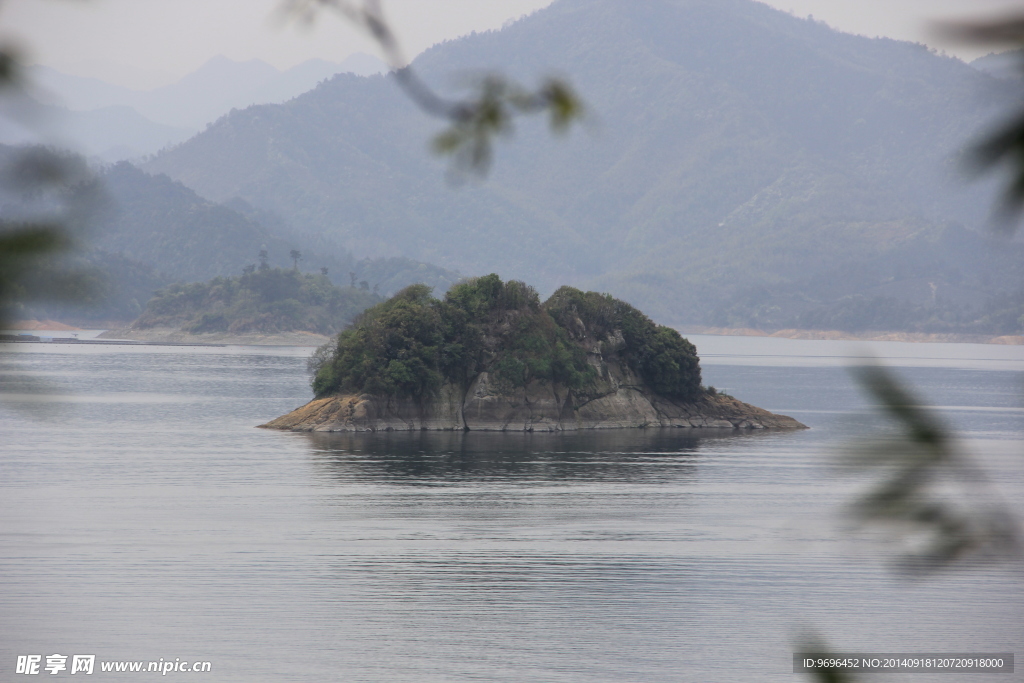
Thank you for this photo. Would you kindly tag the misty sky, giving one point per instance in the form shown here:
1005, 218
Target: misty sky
147, 43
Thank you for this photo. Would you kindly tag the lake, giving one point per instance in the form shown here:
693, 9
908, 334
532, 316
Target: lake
144, 517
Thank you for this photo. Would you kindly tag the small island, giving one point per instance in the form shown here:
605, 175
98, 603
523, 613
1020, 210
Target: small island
490, 356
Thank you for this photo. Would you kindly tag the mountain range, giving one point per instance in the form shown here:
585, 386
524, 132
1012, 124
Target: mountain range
739, 166
1005, 65
111, 122
138, 232
202, 96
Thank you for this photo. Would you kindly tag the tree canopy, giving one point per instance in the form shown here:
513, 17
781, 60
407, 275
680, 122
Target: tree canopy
413, 343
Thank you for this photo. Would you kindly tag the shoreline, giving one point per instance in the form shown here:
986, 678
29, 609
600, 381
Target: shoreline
838, 335
535, 408
177, 336
312, 339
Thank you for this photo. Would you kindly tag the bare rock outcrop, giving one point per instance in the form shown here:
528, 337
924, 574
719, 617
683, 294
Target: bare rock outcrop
540, 406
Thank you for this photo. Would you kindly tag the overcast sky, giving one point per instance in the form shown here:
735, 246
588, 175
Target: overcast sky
147, 43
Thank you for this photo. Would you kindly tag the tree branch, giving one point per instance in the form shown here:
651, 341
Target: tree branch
475, 122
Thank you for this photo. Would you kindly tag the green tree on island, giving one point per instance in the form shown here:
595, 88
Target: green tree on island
413, 343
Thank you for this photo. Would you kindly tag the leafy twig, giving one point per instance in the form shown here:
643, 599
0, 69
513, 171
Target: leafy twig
1004, 147
909, 498
476, 121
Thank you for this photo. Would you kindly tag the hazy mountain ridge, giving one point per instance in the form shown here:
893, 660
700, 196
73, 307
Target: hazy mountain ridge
201, 96
736, 148
158, 221
150, 231
112, 123
109, 133
354, 186
1004, 65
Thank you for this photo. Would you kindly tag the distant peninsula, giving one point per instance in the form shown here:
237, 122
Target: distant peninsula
490, 356
274, 305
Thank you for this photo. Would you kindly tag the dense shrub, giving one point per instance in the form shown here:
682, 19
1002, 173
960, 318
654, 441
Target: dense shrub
391, 350
666, 361
669, 364
412, 343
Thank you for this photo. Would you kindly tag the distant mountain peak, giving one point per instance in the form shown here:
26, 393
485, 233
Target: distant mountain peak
221, 66
219, 85
745, 155
362, 64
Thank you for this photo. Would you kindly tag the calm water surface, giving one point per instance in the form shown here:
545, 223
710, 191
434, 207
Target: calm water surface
144, 517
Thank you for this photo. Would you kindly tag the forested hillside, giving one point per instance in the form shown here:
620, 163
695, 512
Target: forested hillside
142, 232
262, 301
741, 166
160, 222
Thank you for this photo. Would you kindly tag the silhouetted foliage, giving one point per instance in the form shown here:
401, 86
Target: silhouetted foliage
475, 121
913, 465
910, 498
88, 287
20, 247
1005, 147
22, 243
47, 198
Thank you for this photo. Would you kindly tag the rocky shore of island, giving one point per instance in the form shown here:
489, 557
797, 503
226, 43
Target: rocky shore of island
483, 407
491, 357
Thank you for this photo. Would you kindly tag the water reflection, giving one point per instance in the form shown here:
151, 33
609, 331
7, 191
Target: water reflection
632, 555
440, 458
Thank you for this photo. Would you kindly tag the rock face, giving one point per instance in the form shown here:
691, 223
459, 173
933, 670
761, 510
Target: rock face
622, 401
